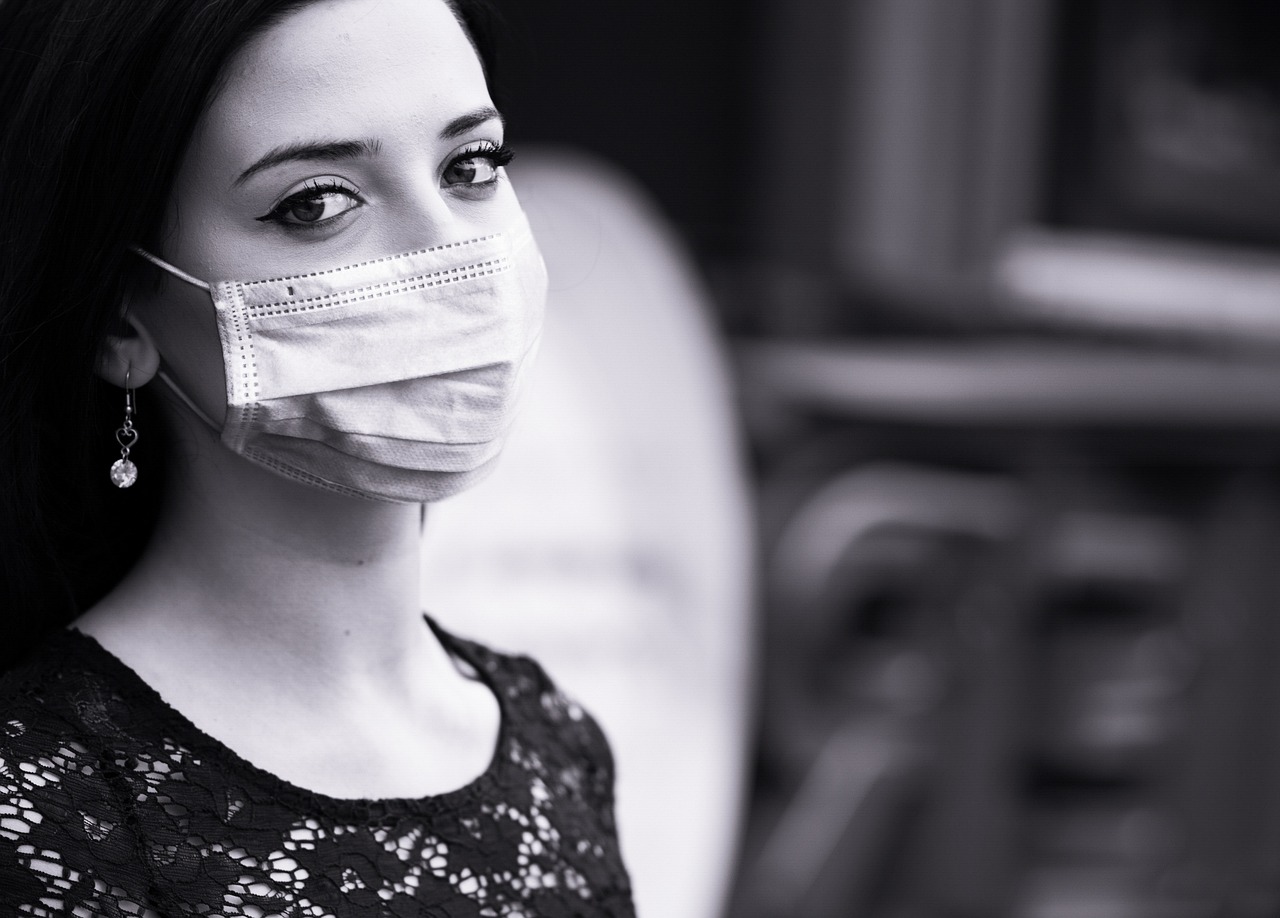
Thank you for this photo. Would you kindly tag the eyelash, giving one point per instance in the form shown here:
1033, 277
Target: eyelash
309, 190
498, 154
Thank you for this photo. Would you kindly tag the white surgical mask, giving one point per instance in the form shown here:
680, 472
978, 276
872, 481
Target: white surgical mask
394, 379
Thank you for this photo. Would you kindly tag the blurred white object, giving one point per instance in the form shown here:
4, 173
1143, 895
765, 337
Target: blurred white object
614, 541
1136, 283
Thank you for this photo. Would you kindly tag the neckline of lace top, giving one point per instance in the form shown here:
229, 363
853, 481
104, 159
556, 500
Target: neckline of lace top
118, 805
185, 734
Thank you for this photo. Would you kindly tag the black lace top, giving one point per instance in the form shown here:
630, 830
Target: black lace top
113, 804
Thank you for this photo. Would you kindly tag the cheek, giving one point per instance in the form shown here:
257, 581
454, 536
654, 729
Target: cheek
181, 319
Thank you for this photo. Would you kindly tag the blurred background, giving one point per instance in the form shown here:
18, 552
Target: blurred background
899, 485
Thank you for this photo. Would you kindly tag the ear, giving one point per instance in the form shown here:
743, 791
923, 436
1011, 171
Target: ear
133, 357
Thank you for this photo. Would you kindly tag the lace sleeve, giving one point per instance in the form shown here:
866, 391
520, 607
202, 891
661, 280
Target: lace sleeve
67, 845
584, 737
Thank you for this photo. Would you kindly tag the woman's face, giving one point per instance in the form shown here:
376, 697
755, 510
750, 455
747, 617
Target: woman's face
351, 130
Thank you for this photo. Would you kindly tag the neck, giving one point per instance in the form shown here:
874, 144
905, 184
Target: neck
276, 573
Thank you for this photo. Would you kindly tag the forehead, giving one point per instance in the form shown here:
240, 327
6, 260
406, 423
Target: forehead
346, 68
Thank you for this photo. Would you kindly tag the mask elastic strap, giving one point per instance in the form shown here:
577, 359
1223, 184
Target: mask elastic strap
186, 400
176, 272
165, 377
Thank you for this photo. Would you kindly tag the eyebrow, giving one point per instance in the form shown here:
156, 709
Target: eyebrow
328, 150
469, 122
333, 150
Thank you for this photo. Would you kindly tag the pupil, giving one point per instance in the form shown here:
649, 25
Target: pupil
466, 170
308, 211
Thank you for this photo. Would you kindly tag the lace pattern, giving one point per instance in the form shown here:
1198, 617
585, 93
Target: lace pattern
112, 804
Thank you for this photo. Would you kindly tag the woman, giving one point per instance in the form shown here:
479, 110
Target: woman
286, 224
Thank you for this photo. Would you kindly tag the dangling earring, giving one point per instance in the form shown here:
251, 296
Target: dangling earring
123, 471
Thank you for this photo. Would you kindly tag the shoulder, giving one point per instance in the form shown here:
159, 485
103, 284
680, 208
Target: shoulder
62, 714
64, 691
540, 715
62, 744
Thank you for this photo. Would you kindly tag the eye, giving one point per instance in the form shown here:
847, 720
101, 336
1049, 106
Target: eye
477, 165
317, 203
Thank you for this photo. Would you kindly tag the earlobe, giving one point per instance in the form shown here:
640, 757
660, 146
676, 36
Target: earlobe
133, 357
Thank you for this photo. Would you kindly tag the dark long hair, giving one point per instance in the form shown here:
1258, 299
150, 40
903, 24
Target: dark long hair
98, 100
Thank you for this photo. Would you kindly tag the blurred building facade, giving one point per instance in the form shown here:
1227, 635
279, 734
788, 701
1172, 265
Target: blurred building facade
1002, 282
1019, 465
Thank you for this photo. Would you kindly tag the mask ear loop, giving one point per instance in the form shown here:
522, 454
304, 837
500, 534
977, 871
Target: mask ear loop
176, 272
164, 376
186, 400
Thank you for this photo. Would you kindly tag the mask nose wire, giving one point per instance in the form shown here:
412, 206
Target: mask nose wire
164, 376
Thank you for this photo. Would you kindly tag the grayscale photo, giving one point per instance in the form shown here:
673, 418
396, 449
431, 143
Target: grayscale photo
675, 459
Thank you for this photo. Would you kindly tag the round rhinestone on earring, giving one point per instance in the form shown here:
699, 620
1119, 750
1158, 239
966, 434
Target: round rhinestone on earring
123, 473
